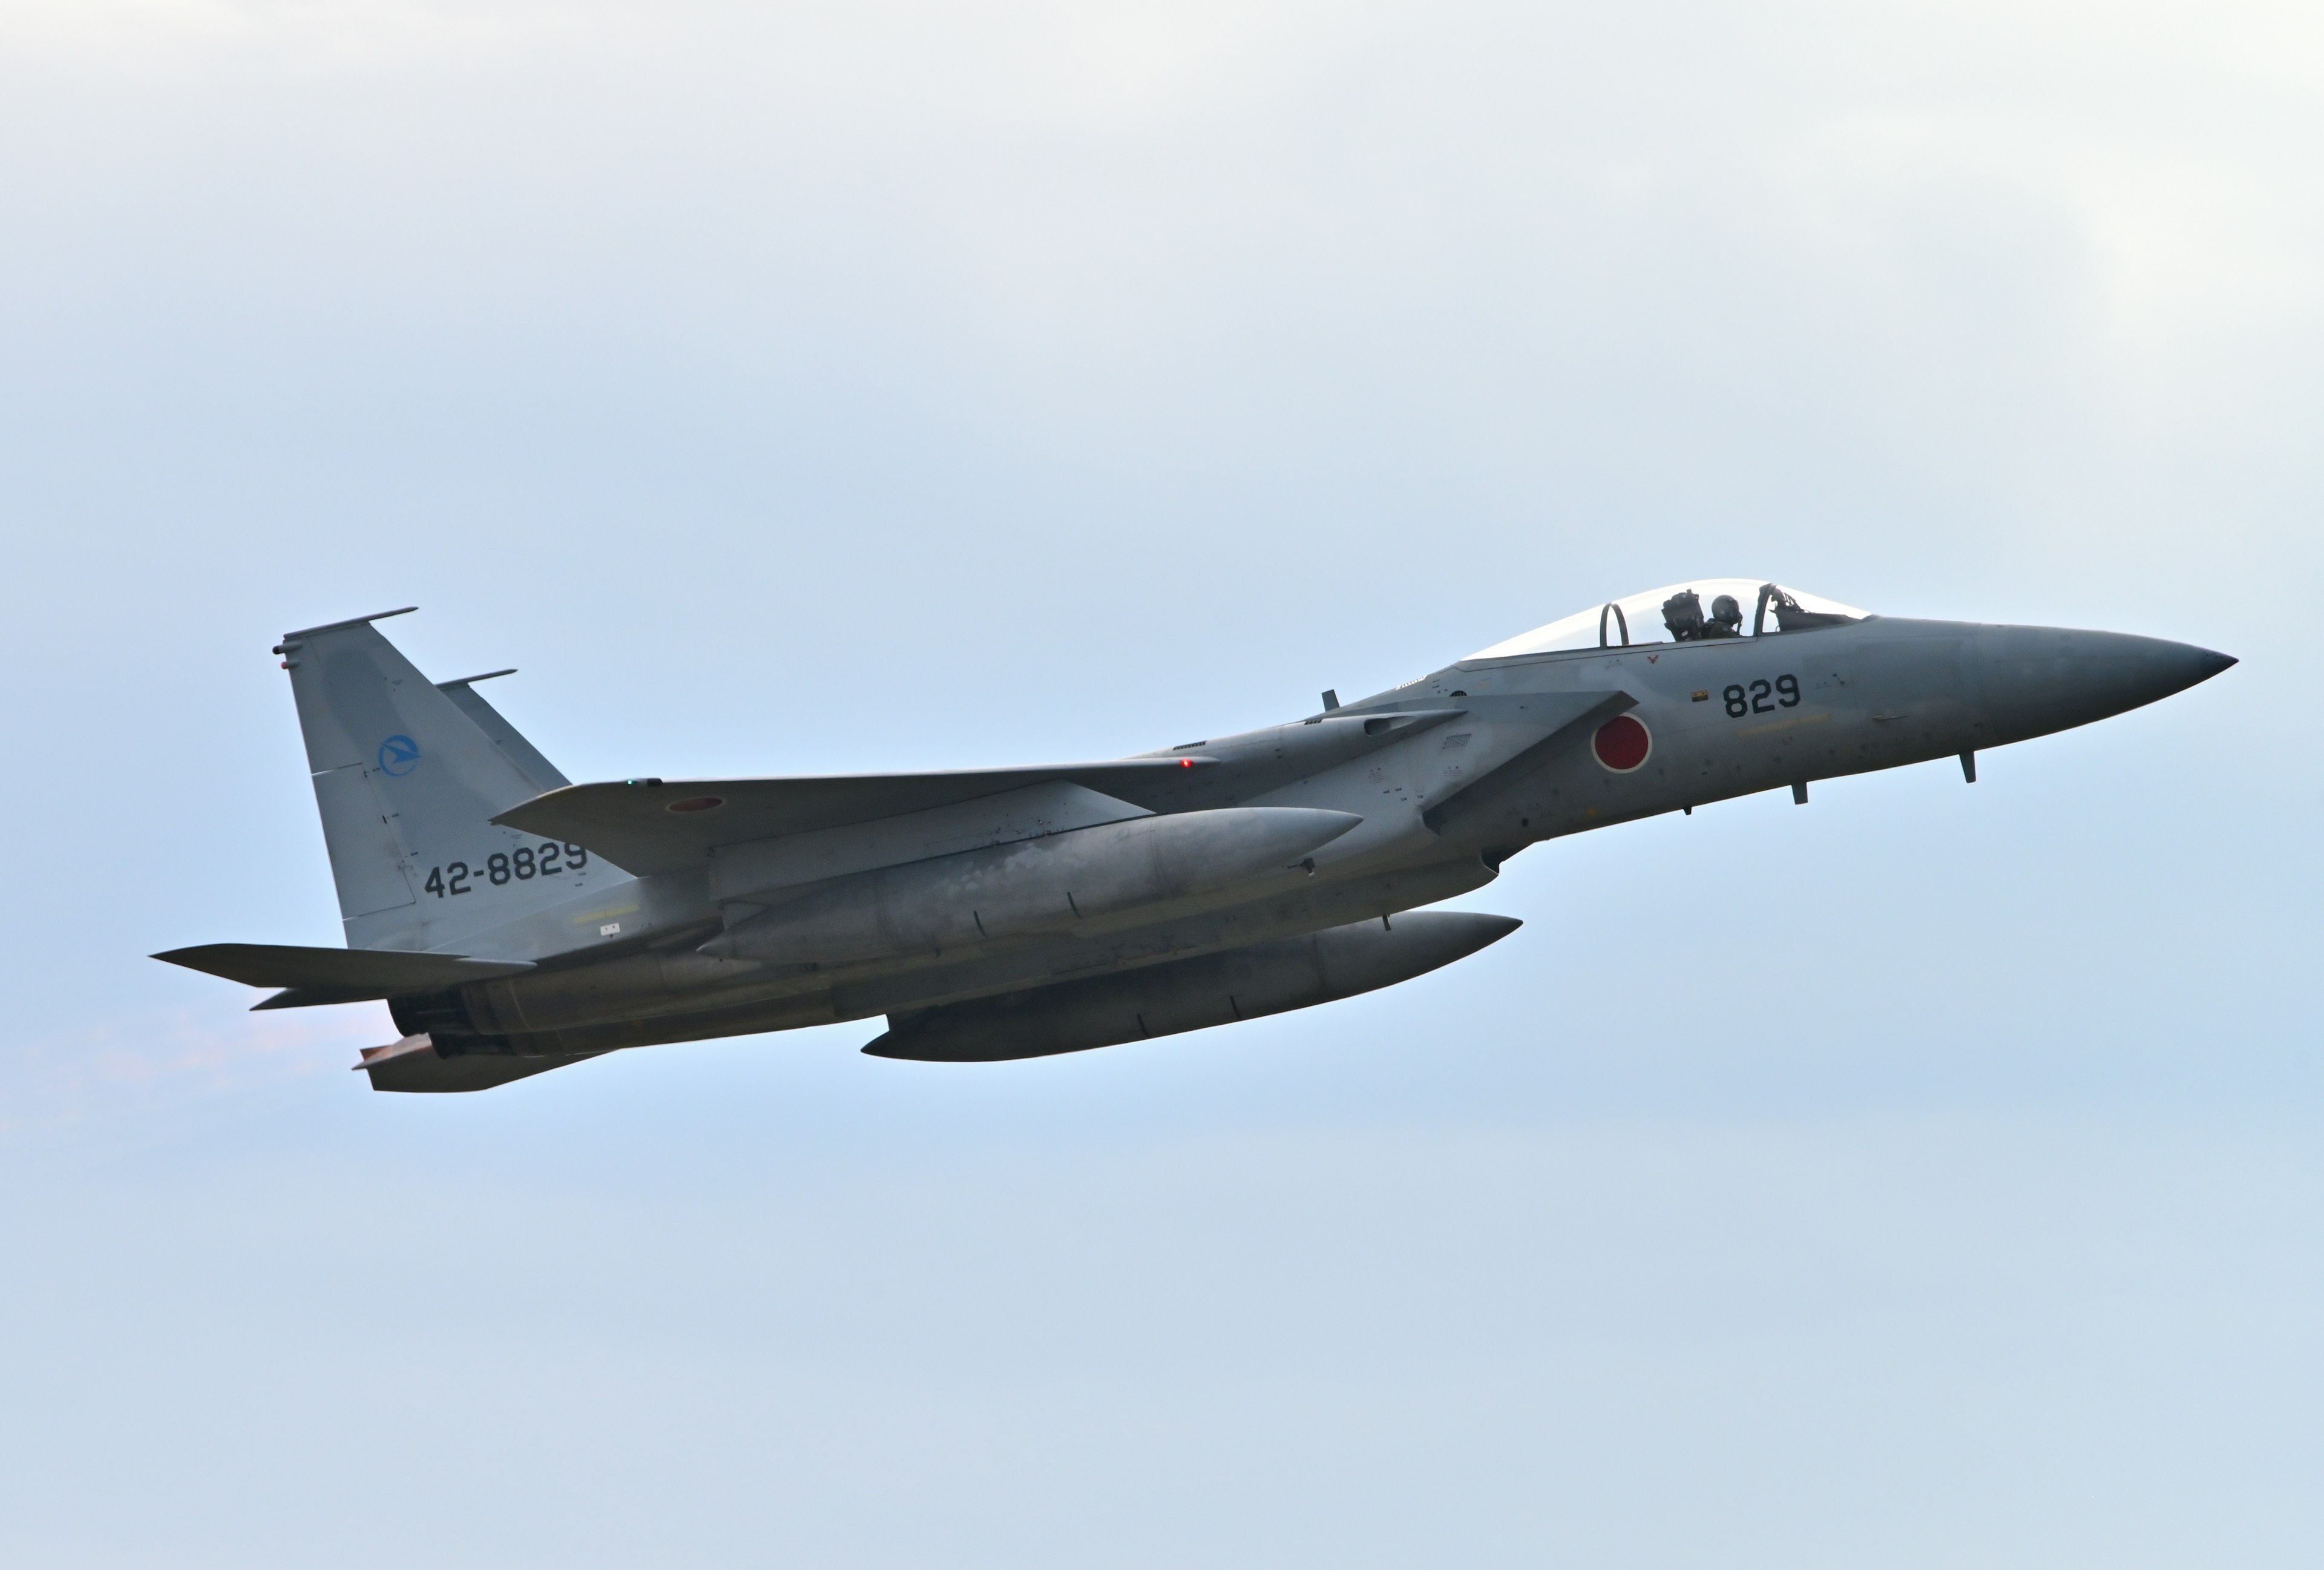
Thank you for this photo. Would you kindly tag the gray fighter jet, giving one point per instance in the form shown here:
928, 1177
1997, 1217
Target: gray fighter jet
516, 923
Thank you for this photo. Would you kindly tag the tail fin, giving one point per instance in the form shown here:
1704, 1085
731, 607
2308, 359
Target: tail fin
545, 775
408, 776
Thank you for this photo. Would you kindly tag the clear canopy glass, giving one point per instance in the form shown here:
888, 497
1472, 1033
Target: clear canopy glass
1700, 610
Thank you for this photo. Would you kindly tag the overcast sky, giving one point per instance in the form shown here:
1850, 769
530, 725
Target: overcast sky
1930, 1176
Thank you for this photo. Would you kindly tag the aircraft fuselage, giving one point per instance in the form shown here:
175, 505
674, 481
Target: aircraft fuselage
1447, 776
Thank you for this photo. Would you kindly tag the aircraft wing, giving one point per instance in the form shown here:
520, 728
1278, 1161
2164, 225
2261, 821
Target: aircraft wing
665, 825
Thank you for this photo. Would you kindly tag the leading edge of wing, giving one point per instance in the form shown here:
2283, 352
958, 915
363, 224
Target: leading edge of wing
667, 825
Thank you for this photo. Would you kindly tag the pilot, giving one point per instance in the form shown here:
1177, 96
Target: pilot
1726, 619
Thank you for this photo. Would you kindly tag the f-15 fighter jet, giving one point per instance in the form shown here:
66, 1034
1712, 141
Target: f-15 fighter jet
515, 922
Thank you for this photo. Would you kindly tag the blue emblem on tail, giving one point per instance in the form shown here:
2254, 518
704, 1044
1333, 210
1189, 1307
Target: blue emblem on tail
397, 755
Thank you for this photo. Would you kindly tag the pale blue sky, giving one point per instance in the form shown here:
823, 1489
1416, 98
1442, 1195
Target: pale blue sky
1931, 1177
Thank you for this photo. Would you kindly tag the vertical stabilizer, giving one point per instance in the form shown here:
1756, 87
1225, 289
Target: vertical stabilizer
408, 776
545, 775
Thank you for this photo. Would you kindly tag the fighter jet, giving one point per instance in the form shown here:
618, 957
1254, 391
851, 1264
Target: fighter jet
515, 922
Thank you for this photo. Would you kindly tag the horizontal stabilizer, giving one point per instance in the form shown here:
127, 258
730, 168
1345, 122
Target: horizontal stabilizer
313, 998
667, 825
416, 1065
352, 974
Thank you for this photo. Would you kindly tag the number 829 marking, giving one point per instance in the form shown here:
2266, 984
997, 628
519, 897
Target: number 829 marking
1783, 689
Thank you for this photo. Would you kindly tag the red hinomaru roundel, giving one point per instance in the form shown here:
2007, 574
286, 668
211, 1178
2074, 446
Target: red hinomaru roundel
1622, 744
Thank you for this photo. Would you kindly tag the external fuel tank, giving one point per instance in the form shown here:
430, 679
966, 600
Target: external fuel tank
1192, 994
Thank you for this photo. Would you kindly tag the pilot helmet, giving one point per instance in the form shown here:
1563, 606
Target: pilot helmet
1682, 615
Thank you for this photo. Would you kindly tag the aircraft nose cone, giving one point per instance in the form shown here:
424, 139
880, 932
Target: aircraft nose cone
2205, 662
2043, 679
2146, 669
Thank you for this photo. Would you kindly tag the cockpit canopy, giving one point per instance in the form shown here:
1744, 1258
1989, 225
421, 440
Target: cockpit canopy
1700, 611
